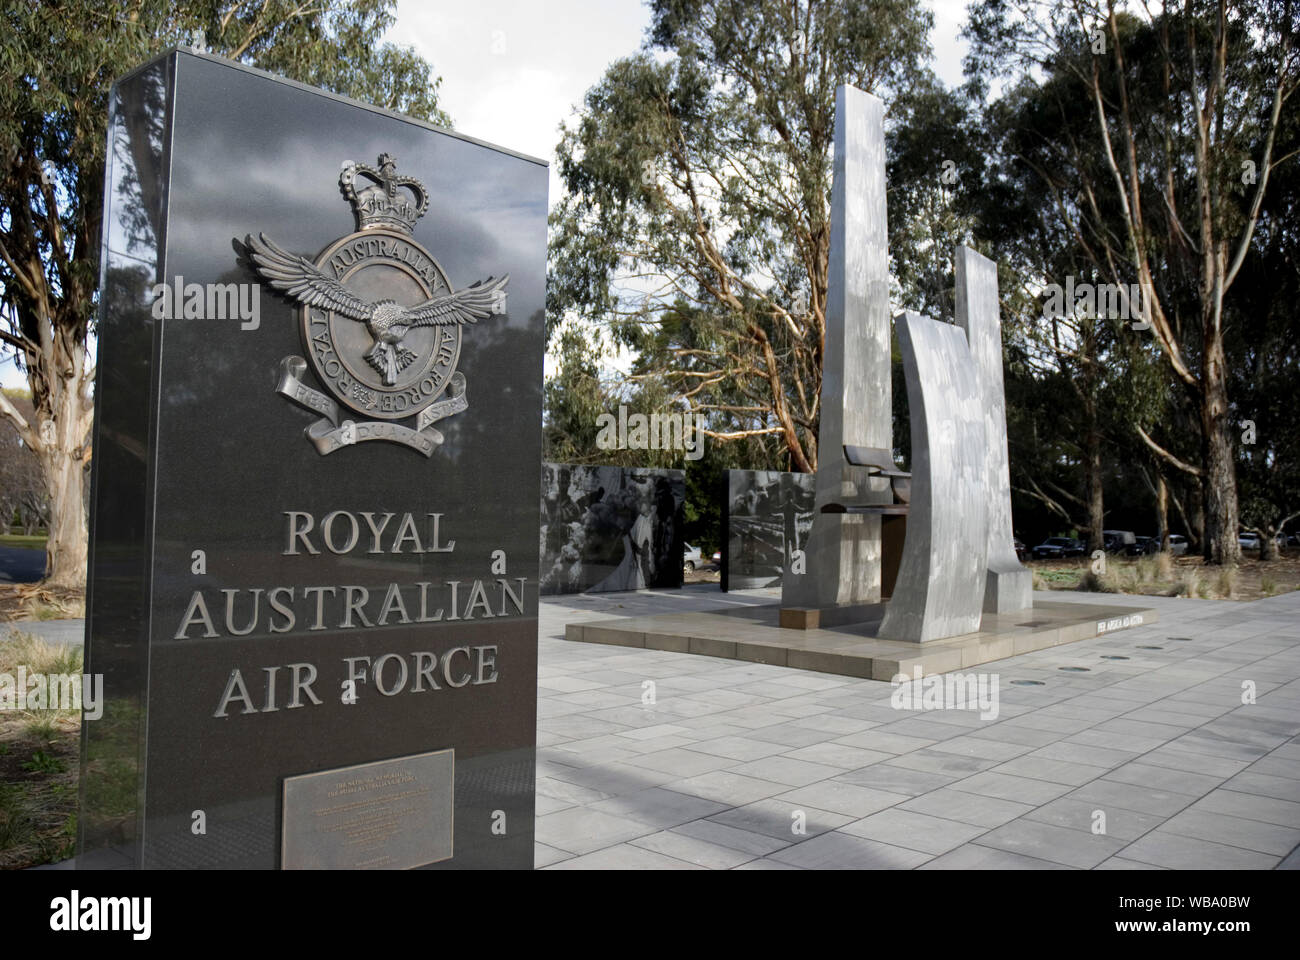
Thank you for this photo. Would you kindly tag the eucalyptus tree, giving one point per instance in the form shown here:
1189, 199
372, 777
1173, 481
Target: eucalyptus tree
57, 63
1165, 185
697, 207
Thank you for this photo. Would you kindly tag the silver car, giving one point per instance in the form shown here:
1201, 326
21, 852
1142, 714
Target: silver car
690, 557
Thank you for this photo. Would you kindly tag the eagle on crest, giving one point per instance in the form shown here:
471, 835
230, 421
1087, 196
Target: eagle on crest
387, 321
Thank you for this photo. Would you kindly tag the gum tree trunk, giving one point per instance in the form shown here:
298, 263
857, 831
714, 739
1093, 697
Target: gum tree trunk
66, 549
1220, 484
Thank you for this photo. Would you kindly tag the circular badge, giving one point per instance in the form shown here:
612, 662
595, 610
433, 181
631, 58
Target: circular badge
381, 366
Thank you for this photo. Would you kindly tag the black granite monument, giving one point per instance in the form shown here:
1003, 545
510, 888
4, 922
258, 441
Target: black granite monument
314, 567
766, 516
607, 528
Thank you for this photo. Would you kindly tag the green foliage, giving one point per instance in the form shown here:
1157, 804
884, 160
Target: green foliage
57, 63
1137, 146
42, 762
16, 823
695, 230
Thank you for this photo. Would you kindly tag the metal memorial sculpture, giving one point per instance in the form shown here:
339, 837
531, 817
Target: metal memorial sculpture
1008, 585
844, 549
957, 558
941, 577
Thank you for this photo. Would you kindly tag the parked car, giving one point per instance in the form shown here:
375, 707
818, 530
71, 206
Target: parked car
1177, 544
1021, 550
1248, 540
1141, 546
1116, 541
717, 557
1053, 548
690, 557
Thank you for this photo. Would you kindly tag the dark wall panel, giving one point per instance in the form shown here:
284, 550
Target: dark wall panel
610, 528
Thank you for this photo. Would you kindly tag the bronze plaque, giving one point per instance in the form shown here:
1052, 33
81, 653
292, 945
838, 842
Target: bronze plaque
389, 815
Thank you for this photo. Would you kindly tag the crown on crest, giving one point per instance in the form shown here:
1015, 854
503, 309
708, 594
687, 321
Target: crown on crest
389, 200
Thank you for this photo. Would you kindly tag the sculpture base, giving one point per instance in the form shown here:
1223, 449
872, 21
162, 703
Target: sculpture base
1008, 587
754, 634
813, 618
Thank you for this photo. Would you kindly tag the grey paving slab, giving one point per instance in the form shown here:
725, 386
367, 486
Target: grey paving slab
702, 853
936, 761
1280, 788
733, 789
973, 808
1045, 841
1006, 787
781, 820
614, 779
895, 779
1166, 849
578, 830
625, 856
787, 770
1055, 771
1130, 796
848, 799
545, 804
544, 856
1164, 778
1250, 806
1269, 838
710, 773
1119, 863
658, 807
891, 743
1220, 767
739, 748
766, 864
568, 793
838, 755
840, 851
682, 762
788, 734
981, 747
745, 841
973, 856
1093, 756
915, 831
1077, 815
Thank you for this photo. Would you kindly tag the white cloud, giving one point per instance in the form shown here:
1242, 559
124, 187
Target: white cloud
514, 70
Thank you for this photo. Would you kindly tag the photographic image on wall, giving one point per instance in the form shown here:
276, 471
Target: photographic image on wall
610, 528
766, 515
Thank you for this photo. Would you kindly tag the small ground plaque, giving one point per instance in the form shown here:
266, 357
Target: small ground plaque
390, 815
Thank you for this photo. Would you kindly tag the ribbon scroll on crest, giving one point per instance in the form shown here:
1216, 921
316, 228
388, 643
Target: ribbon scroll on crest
328, 434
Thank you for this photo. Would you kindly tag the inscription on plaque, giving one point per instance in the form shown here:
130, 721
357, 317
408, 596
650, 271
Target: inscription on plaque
390, 815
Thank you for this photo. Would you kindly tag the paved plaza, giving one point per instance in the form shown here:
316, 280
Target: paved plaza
659, 760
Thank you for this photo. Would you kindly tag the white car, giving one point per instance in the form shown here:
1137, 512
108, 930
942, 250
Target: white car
1248, 541
1177, 544
690, 557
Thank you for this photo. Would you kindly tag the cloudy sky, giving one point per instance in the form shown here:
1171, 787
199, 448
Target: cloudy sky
513, 70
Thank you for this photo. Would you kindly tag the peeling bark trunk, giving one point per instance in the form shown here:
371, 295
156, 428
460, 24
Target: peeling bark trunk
1268, 545
1221, 518
1092, 447
1096, 504
1196, 534
1162, 512
66, 550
